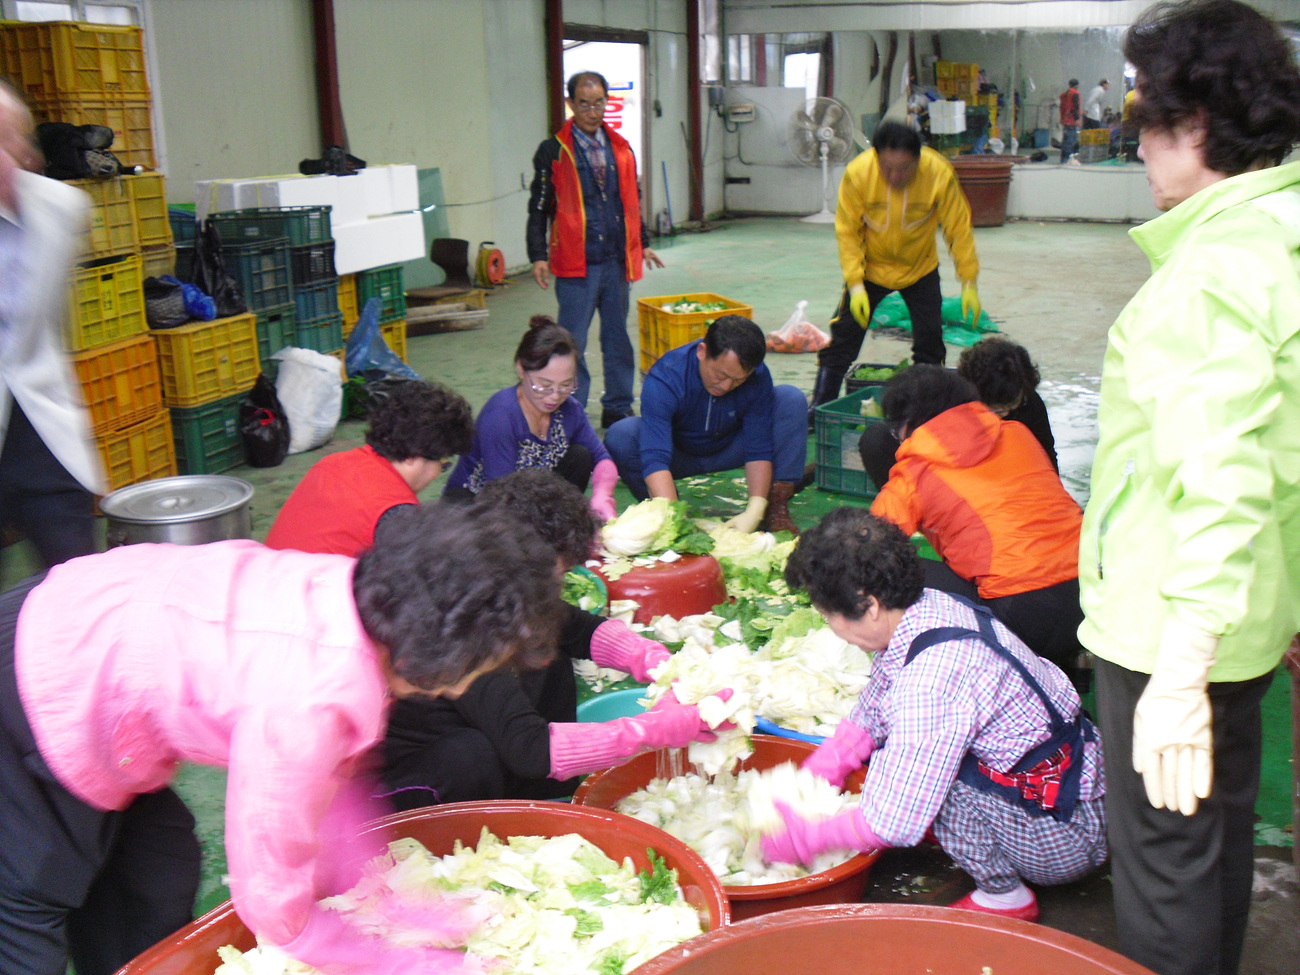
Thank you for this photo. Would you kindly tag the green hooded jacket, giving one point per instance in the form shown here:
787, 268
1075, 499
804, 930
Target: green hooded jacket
1195, 503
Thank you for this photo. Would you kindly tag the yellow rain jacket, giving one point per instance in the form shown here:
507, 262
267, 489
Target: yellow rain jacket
887, 236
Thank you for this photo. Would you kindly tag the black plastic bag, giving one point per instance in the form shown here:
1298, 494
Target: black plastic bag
77, 151
210, 276
264, 425
164, 304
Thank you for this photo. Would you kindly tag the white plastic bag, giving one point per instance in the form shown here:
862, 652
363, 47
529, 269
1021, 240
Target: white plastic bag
310, 387
797, 334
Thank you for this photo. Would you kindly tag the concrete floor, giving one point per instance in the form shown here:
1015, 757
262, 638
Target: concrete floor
1054, 287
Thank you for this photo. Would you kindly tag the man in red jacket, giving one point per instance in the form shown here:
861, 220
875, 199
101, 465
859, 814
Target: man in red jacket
1070, 120
585, 188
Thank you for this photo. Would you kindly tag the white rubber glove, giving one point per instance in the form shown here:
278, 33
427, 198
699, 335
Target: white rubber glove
1173, 742
749, 519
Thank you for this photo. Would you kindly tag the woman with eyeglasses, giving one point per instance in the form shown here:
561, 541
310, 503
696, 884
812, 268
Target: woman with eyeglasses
537, 423
983, 493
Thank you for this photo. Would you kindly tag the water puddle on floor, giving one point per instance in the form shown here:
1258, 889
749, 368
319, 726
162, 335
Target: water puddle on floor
1072, 408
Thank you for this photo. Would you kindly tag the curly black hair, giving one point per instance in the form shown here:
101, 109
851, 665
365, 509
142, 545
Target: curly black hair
449, 589
556, 509
851, 556
1001, 370
420, 419
542, 341
736, 333
1222, 61
919, 393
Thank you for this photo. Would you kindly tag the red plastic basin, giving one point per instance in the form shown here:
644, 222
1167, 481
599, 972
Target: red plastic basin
887, 940
193, 949
842, 884
691, 585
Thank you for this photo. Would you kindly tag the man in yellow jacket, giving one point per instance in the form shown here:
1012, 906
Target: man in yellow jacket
892, 198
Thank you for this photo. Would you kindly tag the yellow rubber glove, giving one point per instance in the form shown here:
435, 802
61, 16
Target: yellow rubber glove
860, 305
749, 519
970, 304
1173, 742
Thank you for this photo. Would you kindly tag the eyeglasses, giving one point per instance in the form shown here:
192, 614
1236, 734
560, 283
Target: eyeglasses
564, 389
591, 107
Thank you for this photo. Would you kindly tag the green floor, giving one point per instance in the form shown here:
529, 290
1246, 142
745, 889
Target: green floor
772, 264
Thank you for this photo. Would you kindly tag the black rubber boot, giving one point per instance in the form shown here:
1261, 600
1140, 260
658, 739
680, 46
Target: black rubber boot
827, 388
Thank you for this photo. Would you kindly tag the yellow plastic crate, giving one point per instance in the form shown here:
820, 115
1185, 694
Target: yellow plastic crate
149, 201
107, 303
62, 58
112, 218
207, 361
140, 452
130, 118
1094, 137
943, 69
340, 354
157, 261
348, 300
120, 382
394, 334
663, 330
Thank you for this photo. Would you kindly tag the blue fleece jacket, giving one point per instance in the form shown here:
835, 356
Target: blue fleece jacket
677, 412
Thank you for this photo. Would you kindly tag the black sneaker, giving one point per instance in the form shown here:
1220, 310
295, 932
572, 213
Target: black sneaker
608, 418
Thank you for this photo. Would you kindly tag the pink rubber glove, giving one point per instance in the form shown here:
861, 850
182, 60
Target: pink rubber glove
604, 477
801, 841
615, 645
578, 748
330, 944
846, 751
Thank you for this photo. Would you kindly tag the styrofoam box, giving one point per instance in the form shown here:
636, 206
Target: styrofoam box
948, 109
405, 188
947, 126
378, 241
377, 188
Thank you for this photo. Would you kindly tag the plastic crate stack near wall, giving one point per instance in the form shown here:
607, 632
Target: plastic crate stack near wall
142, 451
394, 334
112, 228
207, 369
839, 426
153, 227
662, 330
348, 301
107, 302
262, 269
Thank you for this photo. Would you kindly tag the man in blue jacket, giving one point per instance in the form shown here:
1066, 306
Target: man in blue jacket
710, 406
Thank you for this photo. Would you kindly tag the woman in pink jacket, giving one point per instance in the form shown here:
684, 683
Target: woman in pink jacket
281, 666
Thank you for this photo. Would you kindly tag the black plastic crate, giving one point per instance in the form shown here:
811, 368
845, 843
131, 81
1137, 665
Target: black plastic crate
313, 263
323, 334
852, 385
384, 283
262, 270
316, 300
207, 437
302, 225
185, 262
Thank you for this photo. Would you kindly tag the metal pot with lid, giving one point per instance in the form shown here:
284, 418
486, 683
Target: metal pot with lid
192, 509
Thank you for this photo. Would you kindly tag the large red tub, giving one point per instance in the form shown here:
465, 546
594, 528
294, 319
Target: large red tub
691, 585
872, 939
841, 884
193, 949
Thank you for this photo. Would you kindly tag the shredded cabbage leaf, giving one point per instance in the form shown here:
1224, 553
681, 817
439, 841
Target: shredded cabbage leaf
551, 906
723, 817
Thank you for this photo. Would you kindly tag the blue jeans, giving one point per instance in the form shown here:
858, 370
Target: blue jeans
1069, 141
605, 288
789, 446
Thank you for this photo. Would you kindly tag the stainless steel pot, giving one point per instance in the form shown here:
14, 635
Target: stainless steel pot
189, 510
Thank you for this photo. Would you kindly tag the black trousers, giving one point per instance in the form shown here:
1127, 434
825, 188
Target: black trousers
924, 306
40, 498
98, 887
879, 448
1046, 619
1182, 884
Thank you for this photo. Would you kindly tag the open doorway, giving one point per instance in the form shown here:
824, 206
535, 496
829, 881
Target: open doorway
623, 65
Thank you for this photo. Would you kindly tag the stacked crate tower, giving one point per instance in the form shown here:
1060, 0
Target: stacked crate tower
92, 74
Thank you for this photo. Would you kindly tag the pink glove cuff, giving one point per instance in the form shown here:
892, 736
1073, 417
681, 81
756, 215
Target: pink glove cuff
842, 753
604, 478
802, 841
615, 645
578, 748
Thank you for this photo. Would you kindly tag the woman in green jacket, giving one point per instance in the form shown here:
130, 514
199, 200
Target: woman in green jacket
1191, 540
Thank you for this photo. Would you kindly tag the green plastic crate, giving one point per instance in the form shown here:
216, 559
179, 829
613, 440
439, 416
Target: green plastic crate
276, 328
184, 227
302, 225
207, 437
316, 300
323, 334
262, 270
384, 283
840, 424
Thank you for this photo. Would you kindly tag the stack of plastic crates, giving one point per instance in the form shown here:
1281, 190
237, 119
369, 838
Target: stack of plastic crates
386, 284
117, 365
207, 369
